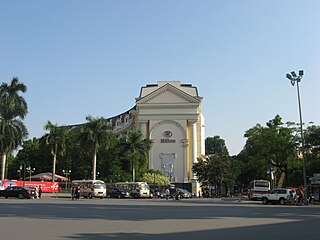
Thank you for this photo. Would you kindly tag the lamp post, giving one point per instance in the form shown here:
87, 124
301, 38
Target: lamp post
67, 174
20, 172
30, 170
294, 78
23, 166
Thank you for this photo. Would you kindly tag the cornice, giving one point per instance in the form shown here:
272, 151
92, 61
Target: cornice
166, 105
170, 88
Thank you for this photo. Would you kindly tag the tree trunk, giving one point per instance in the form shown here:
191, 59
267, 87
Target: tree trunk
94, 164
54, 167
3, 167
133, 172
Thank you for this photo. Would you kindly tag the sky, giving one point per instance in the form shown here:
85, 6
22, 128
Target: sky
80, 58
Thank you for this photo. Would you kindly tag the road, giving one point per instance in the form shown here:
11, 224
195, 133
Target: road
97, 219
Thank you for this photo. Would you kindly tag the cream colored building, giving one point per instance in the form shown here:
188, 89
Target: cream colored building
168, 113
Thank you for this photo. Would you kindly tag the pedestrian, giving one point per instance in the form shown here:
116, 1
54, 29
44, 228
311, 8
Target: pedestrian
73, 193
36, 192
39, 192
167, 192
78, 192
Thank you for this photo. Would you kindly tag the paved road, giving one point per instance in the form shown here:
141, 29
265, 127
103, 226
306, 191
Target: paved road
97, 219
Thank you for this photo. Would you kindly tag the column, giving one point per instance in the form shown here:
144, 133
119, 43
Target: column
193, 144
144, 130
185, 159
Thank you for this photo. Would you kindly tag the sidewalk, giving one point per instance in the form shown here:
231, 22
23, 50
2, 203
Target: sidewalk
57, 195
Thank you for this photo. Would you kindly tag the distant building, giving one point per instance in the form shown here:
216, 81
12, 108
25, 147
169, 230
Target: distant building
168, 113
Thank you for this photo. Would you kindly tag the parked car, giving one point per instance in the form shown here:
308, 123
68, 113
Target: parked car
18, 192
118, 193
279, 195
184, 193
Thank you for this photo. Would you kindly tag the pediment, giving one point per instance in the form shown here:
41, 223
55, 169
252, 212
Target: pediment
168, 94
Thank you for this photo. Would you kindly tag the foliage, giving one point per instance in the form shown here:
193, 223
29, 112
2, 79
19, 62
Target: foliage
216, 145
274, 145
214, 170
312, 149
137, 149
56, 140
155, 177
94, 134
13, 109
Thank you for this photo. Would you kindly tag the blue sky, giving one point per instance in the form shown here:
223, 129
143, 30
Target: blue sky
92, 57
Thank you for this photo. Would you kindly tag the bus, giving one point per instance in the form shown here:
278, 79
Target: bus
91, 188
257, 188
136, 189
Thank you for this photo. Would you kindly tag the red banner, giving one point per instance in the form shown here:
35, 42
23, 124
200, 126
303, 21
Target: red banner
45, 186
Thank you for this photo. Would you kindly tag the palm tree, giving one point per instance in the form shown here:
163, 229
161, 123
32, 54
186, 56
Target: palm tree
13, 108
12, 105
138, 149
56, 139
95, 133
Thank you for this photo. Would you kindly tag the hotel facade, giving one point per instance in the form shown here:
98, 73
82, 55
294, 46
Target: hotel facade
169, 114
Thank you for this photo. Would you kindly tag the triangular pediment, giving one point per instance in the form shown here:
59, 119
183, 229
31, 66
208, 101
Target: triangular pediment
168, 94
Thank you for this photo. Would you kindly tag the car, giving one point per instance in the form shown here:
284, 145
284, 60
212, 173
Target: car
279, 195
18, 192
184, 193
118, 193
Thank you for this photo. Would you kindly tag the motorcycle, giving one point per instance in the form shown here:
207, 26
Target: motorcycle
176, 197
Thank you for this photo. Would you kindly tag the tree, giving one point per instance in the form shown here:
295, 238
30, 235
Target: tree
216, 145
271, 147
137, 150
312, 150
155, 177
214, 170
13, 109
95, 133
56, 139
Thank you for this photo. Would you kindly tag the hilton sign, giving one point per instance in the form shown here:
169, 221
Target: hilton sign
167, 135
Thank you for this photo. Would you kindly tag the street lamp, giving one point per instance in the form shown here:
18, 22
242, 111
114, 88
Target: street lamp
20, 172
294, 78
30, 170
23, 166
67, 174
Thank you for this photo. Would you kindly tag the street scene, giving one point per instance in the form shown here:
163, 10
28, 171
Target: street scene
62, 218
176, 119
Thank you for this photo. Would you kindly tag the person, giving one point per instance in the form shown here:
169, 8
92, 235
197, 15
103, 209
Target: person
39, 192
78, 192
167, 192
176, 195
299, 195
73, 193
290, 199
36, 192
156, 193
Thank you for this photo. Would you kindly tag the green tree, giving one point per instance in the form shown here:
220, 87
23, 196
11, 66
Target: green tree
312, 149
214, 170
216, 145
13, 109
56, 139
137, 149
269, 148
96, 132
155, 177
36, 152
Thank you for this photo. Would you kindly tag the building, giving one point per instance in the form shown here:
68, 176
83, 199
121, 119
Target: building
168, 113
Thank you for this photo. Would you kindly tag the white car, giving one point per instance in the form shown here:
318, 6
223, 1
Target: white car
278, 195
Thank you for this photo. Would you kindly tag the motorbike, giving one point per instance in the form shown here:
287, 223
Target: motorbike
176, 197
